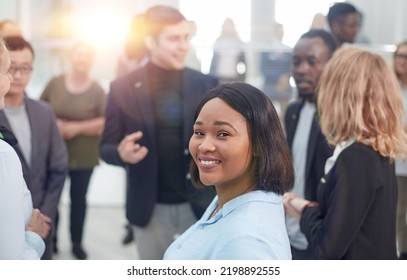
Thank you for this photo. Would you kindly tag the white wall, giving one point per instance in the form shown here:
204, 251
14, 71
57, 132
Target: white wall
8, 9
385, 21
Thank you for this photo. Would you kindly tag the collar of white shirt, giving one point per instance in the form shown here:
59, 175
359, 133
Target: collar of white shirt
338, 149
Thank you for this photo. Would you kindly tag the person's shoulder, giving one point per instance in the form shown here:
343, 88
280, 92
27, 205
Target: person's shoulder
363, 156
8, 154
294, 103
97, 88
250, 210
130, 77
31, 102
358, 149
39, 105
56, 79
293, 106
199, 75
7, 137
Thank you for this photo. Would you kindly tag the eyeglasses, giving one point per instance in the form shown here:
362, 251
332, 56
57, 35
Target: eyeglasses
24, 70
401, 57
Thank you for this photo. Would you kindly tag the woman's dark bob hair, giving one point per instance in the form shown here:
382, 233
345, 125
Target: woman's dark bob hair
271, 157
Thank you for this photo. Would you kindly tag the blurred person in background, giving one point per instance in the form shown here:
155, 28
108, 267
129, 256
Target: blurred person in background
309, 147
192, 60
9, 28
361, 113
344, 21
275, 68
148, 124
79, 103
229, 60
319, 21
400, 68
40, 147
22, 229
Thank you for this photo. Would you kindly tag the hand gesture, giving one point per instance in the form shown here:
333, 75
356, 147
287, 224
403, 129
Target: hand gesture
130, 151
293, 205
39, 223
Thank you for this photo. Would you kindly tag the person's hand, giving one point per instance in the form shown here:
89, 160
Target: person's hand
71, 129
68, 129
130, 151
39, 223
293, 205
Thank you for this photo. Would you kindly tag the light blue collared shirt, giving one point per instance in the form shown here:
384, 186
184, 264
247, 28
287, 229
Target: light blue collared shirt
251, 226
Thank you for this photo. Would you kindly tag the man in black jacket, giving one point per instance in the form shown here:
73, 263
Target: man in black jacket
149, 121
308, 145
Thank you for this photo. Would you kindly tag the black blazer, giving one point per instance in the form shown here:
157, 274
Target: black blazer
317, 152
130, 109
357, 214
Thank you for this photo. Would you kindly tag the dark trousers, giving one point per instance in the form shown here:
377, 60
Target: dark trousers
79, 188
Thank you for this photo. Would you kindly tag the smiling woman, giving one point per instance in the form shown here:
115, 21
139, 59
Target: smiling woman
239, 148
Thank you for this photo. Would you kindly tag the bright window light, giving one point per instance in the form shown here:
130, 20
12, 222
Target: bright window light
104, 27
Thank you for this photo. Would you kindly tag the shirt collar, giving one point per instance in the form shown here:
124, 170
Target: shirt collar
231, 205
338, 150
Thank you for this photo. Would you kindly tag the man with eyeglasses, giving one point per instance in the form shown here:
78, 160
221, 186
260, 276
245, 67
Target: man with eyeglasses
40, 147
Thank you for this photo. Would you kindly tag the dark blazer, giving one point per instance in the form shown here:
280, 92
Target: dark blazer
357, 214
317, 152
46, 174
130, 109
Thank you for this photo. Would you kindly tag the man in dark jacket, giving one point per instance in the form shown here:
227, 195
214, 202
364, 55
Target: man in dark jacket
308, 145
149, 121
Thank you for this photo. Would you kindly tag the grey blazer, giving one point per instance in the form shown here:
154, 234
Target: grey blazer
46, 174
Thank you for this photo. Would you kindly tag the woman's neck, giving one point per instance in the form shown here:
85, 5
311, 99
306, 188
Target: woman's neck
227, 193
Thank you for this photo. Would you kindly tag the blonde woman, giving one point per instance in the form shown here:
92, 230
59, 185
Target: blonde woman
361, 113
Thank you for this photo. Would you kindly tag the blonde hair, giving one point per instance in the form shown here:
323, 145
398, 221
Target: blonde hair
359, 98
3, 47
